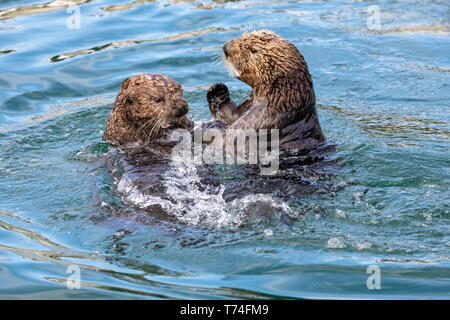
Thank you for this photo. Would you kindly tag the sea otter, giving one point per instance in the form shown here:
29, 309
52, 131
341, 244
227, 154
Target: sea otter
147, 107
282, 94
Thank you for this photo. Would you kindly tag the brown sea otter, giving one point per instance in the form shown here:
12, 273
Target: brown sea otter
282, 90
147, 106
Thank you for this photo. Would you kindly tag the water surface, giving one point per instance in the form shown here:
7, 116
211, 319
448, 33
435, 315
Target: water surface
383, 98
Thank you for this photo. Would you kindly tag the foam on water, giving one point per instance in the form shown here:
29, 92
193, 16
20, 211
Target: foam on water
195, 203
131, 194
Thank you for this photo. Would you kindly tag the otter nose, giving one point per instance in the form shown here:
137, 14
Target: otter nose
227, 48
181, 108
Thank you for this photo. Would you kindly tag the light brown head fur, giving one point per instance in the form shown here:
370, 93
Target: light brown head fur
146, 105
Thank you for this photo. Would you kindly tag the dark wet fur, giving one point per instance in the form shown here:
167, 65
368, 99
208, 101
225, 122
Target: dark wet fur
297, 176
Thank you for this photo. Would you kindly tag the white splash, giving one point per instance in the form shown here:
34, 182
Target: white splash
194, 203
134, 196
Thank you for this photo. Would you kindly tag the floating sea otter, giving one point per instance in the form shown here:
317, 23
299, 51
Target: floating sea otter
282, 90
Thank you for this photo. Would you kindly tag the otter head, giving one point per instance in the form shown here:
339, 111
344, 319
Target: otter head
262, 57
146, 105
152, 99
278, 75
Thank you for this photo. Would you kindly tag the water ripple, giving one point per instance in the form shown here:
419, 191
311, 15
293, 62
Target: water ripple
39, 8
126, 43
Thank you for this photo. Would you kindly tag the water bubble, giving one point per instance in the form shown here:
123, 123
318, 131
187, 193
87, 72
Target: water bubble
357, 197
363, 246
340, 213
335, 243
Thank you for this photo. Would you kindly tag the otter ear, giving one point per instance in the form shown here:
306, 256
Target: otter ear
125, 83
127, 103
268, 33
254, 48
128, 100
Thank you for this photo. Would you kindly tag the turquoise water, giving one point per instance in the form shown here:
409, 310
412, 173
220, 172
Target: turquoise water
383, 98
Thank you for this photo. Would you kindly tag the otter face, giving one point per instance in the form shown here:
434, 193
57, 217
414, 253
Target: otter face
152, 100
261, 57
145, 106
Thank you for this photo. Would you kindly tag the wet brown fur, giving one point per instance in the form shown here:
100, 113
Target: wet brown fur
282, 94
145, 104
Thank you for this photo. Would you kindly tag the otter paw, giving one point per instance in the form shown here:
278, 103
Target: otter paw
217, 95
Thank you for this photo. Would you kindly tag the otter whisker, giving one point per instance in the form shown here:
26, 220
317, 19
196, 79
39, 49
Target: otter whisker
143, 126
154, 124
218, 59
156, 127
223, 63
229, 67
149, 122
